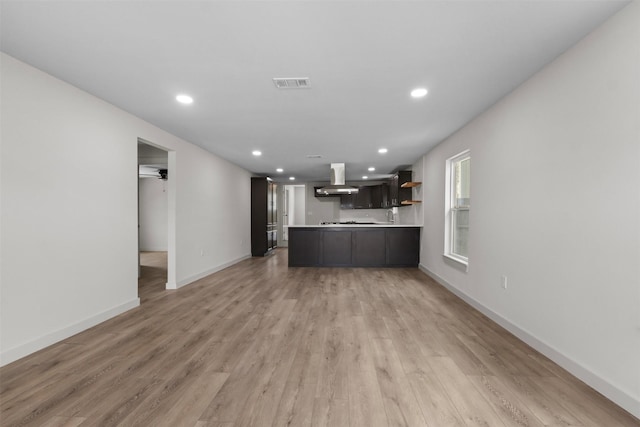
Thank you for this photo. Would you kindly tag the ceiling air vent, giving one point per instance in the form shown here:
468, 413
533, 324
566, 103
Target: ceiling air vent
292, 82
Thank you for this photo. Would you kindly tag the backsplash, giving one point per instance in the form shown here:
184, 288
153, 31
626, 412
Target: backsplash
377, 215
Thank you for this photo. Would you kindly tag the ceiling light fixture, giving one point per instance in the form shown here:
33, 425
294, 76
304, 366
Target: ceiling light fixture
292, 178
256, 153
279, 170
184, 99
371, 169
419, 92
365, 177
382, 150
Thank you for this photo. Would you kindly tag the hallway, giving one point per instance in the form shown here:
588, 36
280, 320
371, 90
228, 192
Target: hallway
153, 275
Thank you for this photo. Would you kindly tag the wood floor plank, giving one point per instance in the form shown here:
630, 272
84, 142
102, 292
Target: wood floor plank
546, 408
230, 400
399, 401
331, 413
41, 404
187, 409
366, 406
590, 409
406, 347
212, 424
332, 377
296, 404
470, 403
437, 408
261, 344
131, 395
64, 422
269, 383
127, 374
506, 404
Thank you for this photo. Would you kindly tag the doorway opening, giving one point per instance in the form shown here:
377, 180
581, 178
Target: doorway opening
156, 219
293, 209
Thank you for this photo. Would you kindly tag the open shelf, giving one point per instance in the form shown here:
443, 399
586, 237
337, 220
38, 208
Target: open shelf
411, 184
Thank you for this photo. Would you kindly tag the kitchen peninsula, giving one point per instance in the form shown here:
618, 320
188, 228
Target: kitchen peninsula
354, 244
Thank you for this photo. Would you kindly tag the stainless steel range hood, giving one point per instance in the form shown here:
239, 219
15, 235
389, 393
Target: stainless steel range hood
338, 185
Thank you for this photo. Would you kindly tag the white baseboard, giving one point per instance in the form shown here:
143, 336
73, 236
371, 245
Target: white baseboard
205, 273
610, 391
15, 353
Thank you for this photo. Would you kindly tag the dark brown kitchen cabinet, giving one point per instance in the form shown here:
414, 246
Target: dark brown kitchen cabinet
369, 250
264, 216
359, 200
367, 197
403, 247
306, 247
336, 247
348, 201
326, 246
397, 193
380, 196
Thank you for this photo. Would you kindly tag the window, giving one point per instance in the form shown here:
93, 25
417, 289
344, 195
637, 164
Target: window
458, 204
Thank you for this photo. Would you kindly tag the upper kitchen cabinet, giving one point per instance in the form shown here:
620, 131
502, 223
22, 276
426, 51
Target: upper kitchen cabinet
380, 196
367, 197
359, 200
396, 192
264, 216
400, 189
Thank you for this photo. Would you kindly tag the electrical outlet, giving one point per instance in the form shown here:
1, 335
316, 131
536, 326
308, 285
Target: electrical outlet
503, 282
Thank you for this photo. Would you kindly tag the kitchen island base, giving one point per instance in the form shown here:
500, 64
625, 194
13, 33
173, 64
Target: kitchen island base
324, 246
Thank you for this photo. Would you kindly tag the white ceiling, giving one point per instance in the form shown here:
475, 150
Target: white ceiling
362, 58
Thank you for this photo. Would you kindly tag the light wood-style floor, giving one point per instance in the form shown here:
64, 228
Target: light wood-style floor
259, 344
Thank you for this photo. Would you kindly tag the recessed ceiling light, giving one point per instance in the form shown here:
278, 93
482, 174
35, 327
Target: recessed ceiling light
280, 170
256, 153
184, 99
419, 92
292, 178
365, 177
382, 150
371, 169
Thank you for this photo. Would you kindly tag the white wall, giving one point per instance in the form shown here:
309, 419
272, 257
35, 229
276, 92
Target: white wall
69, 209
555, 182
153, 211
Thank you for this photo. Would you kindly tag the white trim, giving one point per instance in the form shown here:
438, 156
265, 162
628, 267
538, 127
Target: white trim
449, 195
460, 260
172, 188
191, 279
618, 396
32, 346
